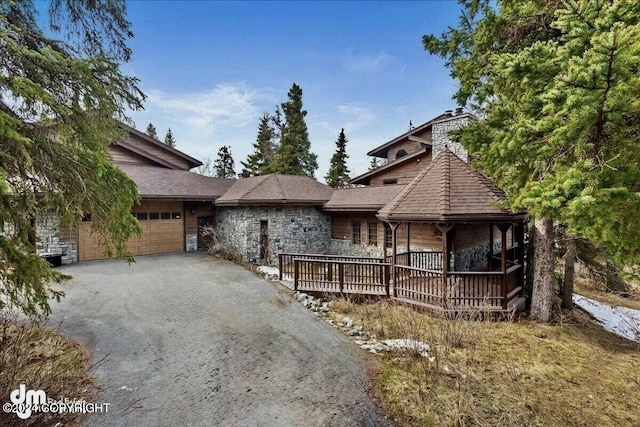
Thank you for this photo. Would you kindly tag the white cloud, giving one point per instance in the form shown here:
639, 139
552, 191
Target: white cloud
356, 116
367, 62
204, 121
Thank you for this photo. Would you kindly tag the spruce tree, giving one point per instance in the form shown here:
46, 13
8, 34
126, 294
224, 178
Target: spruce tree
264, 148
61, 87
169, 139
375, 163
338, 175
151, 131
224, 165
294, 155
557, 84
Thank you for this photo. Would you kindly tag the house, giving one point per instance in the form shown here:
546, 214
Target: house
174, 204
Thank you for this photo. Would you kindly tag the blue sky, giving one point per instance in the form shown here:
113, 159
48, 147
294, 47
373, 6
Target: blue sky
210, 70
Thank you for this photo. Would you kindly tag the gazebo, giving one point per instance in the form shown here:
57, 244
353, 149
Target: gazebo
481, 262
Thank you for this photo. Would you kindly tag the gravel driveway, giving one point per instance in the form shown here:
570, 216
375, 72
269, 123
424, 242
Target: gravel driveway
190, 340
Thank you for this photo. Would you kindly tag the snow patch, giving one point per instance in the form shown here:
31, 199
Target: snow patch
621, 321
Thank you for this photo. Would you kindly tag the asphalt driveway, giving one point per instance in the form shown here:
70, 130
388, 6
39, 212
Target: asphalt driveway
185, 339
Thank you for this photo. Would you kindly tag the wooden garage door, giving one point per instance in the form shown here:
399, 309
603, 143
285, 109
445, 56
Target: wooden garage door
162, 231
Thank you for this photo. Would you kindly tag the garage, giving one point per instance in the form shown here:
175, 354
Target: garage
162, 226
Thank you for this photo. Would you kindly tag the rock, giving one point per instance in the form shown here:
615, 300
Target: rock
346, 322
302, 296
324, 307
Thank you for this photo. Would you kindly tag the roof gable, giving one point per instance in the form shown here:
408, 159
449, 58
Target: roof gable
156, 151
447, 190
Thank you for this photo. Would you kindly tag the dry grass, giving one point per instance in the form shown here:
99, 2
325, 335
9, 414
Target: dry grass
42, 359
521, 373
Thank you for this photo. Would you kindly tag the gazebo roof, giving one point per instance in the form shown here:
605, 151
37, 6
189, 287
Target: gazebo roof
447, 191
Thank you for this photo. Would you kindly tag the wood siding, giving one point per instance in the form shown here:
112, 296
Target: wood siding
404, 173
199, 209
158, 152
122, 155
408, 146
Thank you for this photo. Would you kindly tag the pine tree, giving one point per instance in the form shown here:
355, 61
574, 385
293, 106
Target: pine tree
294, 155
224, 165
375, 163
557, 85
338, 175
61, 88
264, 148
169, 139
151, 131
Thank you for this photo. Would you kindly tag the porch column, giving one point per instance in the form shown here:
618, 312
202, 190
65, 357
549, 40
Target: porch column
394, 252
490, 259
409, 244
444, 230
503, 261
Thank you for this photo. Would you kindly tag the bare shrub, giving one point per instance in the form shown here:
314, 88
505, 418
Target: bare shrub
221, 250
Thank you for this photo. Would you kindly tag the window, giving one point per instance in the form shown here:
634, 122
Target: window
165, 215
141, 216
355, 232
154, 215
373, 233
176, 215
389, 181
388, 236
86, 217
401, 153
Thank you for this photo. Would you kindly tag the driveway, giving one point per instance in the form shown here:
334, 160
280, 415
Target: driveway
185, 339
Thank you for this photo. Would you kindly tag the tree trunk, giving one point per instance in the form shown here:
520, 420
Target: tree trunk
530, 260
569, 272
542, 297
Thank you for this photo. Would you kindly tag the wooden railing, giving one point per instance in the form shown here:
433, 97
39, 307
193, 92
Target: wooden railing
352, 277
428, 260
491, 290
286, 265
464, 290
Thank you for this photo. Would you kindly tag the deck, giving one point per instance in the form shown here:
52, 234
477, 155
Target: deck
422, 283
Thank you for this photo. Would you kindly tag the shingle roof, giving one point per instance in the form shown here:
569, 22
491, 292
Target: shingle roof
447, 190
162, 183
362, 199
276, 189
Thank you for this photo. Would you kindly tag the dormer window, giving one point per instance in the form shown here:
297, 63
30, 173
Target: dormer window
401, 153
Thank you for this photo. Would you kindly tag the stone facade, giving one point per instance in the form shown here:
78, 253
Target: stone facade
48, 239
440, 136
191, 242
297, 229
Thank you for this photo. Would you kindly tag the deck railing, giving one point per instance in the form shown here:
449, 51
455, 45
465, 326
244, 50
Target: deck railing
349, 277
428, 260
491, 290
286, 265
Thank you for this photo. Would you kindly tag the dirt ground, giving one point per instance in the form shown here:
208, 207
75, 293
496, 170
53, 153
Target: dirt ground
185, 339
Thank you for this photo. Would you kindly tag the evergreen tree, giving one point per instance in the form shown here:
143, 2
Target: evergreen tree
375, 163
557, 85
61, 90
224, 165
294, 155
264, 148
151, 131
338, 175
169, 139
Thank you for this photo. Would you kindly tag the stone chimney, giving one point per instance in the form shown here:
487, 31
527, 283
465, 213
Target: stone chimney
440, 134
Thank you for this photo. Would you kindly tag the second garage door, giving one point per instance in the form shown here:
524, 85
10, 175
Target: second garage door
162, 231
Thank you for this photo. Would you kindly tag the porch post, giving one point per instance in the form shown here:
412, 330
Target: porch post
409, 244
394, 252
503, 261
490, 259
444, 229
